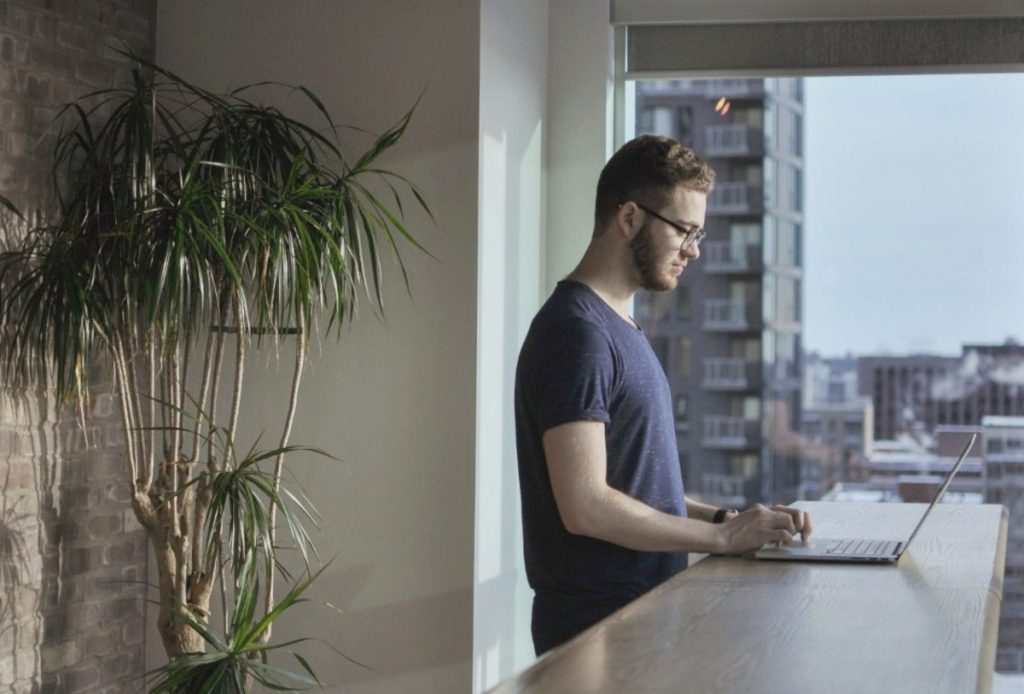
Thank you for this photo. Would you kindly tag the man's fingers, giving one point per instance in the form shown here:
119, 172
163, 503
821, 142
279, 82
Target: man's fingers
805, 532
801, 520
784, 520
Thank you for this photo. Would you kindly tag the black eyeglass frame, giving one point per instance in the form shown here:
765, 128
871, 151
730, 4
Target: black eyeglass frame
690, 236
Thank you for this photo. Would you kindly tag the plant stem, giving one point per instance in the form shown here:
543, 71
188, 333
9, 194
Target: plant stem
236, 399
293, 399
126, 420
151, 467
212, 461
175, 400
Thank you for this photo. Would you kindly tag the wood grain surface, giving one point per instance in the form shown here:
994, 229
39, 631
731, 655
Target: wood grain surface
729, 624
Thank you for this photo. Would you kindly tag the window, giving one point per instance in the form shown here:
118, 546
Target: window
685, 356
684, 132
681, 411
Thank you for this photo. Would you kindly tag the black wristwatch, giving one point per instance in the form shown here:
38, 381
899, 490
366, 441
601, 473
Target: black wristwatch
721, 513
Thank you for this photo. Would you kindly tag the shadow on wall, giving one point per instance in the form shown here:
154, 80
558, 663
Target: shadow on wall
71, 617
407, 629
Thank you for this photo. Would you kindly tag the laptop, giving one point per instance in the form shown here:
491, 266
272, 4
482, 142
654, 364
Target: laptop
861, 550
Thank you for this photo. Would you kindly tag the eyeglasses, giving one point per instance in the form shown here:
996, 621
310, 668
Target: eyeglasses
691, 237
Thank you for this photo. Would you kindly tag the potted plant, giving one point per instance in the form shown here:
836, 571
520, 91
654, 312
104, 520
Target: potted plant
192, 226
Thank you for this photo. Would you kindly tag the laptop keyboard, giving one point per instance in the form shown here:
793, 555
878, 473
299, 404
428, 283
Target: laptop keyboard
860, 548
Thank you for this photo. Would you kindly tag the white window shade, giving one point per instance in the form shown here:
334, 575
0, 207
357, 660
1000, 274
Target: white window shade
635, 12
832, 46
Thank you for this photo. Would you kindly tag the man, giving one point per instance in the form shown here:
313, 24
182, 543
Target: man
605, 518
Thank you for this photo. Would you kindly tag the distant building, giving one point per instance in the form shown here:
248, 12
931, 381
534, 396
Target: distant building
899, 388
729, 336
913, 465
829, 380
1003, 439
988, 381
932, 391
844, 433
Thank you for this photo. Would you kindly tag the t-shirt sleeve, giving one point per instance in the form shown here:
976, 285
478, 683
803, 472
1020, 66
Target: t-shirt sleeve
574, 375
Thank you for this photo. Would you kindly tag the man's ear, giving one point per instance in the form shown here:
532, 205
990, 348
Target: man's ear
628, 220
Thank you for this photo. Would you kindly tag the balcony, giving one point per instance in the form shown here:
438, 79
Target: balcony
726, 373
733, 433
736, 198
733, 140
728, 315
723, 490
723, 257
733, 88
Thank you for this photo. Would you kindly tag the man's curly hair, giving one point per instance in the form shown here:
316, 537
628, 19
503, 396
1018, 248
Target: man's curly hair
648, 169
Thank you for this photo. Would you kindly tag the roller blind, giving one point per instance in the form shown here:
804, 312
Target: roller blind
829, 45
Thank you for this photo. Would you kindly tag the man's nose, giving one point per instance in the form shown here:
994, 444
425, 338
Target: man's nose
690, 250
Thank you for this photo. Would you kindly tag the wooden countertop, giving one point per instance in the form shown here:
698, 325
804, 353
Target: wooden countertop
728, 624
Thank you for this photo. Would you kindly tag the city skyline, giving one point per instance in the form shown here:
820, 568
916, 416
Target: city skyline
912, 215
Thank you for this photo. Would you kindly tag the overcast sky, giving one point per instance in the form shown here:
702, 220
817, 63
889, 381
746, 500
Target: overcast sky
914, 213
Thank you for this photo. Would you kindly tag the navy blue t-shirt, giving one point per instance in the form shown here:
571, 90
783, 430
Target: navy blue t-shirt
581, 361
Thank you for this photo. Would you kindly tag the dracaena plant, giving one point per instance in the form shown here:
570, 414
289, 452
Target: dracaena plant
190, 225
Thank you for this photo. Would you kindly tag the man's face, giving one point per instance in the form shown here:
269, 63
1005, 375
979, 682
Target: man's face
659, 250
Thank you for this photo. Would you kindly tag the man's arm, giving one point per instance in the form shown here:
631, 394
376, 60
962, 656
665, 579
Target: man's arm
706, 512
577, 466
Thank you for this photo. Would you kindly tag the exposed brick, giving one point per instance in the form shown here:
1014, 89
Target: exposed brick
120, 492
74, 36
116, 610
20, 20
51, 52
56, 658
121, 665
66, 9
8, 80
130, 23
99, 73
79, 560
102, 641
54, 626
81, 679
104, 526
25, 660
129, 520
45, 28
37, 88
52, 59
26, 600
133, 632
7, 48
7, 644
119, 553
18, 476
95, 468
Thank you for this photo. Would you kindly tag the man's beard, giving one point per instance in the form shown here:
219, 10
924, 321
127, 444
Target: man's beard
645, 263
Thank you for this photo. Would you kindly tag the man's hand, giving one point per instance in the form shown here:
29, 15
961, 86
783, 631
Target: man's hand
759, 525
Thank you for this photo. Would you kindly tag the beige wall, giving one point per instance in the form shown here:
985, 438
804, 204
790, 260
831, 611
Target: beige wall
395, 400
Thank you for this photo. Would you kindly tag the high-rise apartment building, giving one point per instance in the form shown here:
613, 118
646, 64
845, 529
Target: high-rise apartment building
1003, 440
729, 336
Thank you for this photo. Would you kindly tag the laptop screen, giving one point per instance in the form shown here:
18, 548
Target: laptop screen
945, 483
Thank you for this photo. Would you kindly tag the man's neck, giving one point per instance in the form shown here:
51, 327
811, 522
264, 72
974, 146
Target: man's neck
613, 289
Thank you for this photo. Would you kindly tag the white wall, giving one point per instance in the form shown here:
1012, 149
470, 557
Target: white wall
544, 135
579, 127
395, 400
513, 91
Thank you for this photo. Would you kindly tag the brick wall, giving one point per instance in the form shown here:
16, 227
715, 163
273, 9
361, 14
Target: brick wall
70, 618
